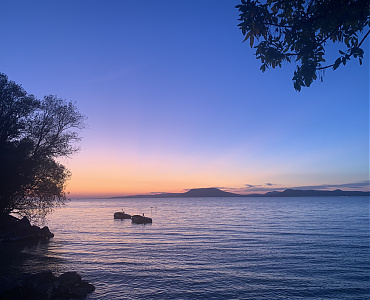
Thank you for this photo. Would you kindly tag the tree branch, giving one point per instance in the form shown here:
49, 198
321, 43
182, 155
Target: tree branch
359, 45
363, 39
277, 25
322, 68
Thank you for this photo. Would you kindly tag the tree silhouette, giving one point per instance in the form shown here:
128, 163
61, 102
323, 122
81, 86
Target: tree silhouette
33, 135
299, 30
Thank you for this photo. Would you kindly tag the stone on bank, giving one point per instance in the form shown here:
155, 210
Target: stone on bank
46, 286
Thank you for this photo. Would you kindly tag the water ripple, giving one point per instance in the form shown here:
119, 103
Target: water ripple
240, 248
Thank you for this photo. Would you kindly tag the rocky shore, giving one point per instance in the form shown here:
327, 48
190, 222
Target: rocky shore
46, 286
43, 285
13, 229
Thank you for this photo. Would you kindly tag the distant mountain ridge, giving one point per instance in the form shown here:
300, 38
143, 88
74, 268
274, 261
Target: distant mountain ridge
314, 193
214, 192
201, 192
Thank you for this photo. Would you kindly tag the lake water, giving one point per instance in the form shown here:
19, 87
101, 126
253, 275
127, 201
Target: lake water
210, 248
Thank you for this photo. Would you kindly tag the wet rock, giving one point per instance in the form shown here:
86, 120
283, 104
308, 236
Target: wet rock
45, 232
13, 229
69, 278
37, 285
70, 285
121, 215
141, 219
45, 286
24, 222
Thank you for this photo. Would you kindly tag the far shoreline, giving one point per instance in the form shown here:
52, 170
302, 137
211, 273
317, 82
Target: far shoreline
214, 192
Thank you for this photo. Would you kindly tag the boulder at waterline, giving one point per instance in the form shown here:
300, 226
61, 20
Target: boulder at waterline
141, 219
13, 229
45, 286
121, 215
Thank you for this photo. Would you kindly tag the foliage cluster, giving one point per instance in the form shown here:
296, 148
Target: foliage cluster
33, 135
299, 30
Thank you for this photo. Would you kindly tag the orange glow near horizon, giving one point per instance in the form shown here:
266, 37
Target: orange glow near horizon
132, 171
110, 176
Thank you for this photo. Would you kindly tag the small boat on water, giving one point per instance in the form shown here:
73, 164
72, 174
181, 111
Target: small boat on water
121, 215
137, 219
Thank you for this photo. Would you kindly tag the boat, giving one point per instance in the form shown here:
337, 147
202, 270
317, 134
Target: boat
121, 215
137, 219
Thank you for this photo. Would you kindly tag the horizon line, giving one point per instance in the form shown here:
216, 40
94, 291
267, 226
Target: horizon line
223, 189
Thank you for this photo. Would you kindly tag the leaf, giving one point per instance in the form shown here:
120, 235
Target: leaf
247, 36
251, 40
297, 86
337, 63
346, 40
274, 8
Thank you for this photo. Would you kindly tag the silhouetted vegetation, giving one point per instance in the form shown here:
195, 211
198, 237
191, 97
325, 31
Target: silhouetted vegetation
33, 135
299, 30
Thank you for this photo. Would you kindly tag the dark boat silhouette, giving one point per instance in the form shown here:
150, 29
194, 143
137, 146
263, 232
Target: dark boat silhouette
121, 215
141, 219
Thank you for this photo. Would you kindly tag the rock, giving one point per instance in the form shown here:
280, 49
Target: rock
69, 278
45, 232
13, 229
45, 286
39, 285
83, 289
121, 215
24, 222
37, 279
70, 285
141, 219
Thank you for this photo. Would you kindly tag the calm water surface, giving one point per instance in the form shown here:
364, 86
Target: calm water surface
211, 248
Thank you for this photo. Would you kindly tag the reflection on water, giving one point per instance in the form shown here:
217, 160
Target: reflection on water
249, 248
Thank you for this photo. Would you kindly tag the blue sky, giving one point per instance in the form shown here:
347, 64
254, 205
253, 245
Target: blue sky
175, 100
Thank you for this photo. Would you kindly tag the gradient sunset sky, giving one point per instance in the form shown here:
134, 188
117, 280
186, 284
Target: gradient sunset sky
175, 100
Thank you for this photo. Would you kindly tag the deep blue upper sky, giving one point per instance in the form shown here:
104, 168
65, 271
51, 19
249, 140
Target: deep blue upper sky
175, 100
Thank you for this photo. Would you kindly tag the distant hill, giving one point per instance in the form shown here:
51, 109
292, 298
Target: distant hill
214, 192
208, 192
202, 192
314, 193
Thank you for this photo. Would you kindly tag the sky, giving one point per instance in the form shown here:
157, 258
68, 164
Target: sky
175, 100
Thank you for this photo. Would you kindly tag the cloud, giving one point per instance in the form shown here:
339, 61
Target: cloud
268, 184
255, 188
269, 187
251, 185
352, 185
